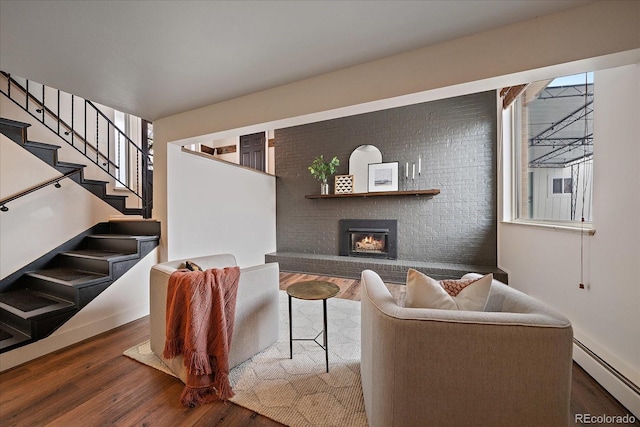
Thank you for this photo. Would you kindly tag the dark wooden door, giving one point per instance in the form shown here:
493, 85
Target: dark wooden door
252, 151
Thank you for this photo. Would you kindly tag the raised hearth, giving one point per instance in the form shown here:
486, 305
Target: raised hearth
393, 271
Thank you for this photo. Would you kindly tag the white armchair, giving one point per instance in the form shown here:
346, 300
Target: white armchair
257, 312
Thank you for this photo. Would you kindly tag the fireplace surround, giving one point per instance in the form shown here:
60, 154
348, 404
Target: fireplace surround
369, 238
444, 236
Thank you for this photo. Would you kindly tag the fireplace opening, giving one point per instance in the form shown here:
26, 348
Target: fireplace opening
375, 238
368, 241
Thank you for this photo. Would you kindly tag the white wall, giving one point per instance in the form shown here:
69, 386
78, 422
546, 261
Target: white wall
546, 263
216, 207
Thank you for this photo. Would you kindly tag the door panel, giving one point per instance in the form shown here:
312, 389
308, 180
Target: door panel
252, 152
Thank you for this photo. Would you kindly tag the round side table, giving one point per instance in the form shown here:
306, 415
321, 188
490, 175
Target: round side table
312, 290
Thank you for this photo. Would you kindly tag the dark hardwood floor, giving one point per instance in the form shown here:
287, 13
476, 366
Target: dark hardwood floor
92, 384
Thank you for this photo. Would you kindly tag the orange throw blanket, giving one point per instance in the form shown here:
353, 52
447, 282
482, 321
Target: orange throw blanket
201, 309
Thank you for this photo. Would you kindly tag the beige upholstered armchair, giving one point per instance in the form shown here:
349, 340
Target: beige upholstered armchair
509, 365
256, 316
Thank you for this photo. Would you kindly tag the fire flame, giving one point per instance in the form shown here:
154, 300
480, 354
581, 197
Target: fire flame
369, 243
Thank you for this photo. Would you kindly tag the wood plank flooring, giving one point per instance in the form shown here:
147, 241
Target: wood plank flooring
349, 288
93, 384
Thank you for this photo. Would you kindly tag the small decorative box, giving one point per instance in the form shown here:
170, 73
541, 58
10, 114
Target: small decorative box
344, 184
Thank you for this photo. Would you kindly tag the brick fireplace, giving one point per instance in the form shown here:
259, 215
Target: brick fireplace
445, 235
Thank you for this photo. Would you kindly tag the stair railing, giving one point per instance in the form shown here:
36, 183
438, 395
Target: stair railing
56, 181
80, 123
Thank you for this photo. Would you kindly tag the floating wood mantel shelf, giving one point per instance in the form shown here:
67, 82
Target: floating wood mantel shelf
429, 193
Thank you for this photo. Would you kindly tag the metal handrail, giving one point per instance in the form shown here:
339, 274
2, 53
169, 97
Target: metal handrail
80, 142
55, 181
43, 108
129, 140
69, 129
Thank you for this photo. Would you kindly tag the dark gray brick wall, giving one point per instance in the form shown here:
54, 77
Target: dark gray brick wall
457, 140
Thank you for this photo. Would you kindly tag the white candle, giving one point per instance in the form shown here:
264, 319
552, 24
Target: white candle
419, 165
413, 175
406, 170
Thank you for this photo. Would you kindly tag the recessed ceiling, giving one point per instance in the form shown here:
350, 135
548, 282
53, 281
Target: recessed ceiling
158, 58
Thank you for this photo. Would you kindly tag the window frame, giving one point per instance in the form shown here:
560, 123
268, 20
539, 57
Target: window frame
513, 193
563, 186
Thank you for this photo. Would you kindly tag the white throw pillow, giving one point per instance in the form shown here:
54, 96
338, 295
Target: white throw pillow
474, 297
463, 294
425, 292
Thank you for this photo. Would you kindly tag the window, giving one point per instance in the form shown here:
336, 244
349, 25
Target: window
121, 122
560, 186
552, 137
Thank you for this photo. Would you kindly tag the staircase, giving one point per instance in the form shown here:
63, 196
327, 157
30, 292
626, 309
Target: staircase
42, 296
39, 298
48, 153
91, 130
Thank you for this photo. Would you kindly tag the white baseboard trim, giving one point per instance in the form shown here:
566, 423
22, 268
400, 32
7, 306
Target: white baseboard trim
65, 338
625, 391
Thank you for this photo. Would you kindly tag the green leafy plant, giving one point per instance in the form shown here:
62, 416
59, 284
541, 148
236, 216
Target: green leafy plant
321, 170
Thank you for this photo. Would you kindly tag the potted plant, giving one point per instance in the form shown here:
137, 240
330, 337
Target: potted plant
322, 170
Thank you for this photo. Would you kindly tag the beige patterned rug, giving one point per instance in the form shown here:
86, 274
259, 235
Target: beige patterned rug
298, 391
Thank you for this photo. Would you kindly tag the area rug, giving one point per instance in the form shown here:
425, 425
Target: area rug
298, 391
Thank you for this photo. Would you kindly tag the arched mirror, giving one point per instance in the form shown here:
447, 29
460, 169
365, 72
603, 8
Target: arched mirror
359, 165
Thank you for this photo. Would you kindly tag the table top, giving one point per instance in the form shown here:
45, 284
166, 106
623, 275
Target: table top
313, 290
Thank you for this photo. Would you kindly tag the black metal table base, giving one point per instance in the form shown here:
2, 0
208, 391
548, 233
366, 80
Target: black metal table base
324, 345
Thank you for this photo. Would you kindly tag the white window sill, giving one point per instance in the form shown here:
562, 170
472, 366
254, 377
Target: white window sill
586, 228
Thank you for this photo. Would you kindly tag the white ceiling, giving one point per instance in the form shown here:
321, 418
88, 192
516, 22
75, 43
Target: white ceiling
158, 58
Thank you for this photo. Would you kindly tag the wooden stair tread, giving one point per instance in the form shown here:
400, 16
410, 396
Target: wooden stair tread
70, 276
101, 254
26, 303
15, 339
70, 165
94, 181
42, 145
141, 237
14, 123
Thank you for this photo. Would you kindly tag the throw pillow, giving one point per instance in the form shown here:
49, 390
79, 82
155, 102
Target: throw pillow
192, 266
425, 292
474, 296
450, 294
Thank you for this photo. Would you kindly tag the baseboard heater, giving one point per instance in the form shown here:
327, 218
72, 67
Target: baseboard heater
608, 367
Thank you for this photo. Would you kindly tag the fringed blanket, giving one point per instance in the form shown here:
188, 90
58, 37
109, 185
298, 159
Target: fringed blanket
201, 309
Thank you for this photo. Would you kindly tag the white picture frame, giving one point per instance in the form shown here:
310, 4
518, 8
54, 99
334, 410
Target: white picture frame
383, 177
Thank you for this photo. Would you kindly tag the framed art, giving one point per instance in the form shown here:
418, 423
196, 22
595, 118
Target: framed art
383, 177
